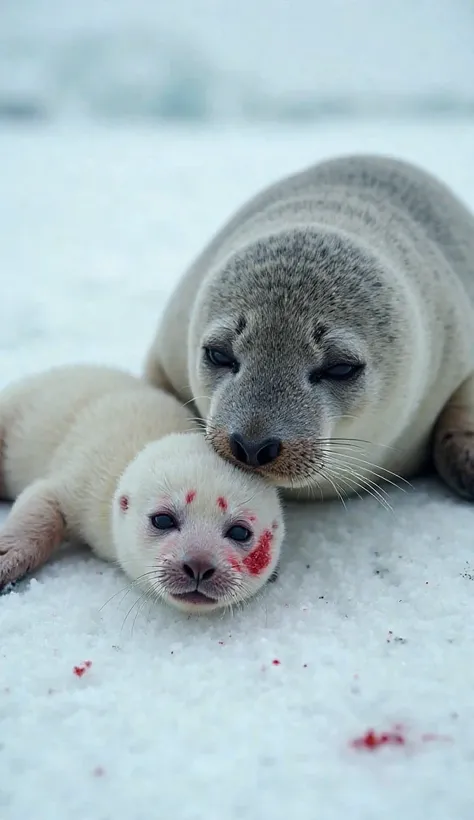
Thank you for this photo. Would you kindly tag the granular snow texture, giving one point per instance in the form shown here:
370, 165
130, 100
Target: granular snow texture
346, 689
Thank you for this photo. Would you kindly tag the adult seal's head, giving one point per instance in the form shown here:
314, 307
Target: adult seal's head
296, 342
323, 330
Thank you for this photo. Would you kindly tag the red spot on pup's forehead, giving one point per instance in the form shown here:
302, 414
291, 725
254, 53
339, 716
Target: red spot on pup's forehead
190, 496
123, 501
258, 560
222, 503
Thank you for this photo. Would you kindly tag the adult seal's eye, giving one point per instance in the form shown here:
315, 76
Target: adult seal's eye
339, 373
163, 521
238, 533
218, 358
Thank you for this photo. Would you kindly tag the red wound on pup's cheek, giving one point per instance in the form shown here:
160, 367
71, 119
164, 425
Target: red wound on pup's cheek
123, 502
222, 503
258, 560
235, 564
190, 496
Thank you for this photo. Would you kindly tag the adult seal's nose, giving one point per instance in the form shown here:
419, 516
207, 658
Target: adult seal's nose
198, 569
254, 453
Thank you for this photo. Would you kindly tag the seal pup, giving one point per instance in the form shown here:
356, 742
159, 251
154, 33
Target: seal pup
96, 455
326, 332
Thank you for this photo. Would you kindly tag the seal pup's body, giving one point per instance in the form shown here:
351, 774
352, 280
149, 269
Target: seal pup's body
96, 455
327, 331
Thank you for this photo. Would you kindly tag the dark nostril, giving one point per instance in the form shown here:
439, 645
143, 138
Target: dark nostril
199, 569
189, 571
269, 451
237, 446
254, 453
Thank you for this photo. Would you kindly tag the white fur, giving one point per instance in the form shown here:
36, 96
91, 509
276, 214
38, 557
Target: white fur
77, 430
160, 478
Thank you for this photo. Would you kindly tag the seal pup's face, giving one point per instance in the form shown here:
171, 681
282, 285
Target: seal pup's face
292, 352
193, 529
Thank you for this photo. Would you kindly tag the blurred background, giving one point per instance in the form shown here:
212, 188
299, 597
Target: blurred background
221, 61
131, 129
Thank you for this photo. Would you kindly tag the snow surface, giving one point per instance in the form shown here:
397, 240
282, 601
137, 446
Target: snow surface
372, 616
255, 59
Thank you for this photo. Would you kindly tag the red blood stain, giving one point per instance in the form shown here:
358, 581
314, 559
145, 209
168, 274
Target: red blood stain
99, 771
123, 502
259, 559
222, 503
373, 740
80, 670
190, 496
276, 662
235, 563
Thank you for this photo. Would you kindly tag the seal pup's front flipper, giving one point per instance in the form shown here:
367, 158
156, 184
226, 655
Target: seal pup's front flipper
34, 528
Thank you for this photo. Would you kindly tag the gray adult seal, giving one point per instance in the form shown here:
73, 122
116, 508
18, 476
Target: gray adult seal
326, 333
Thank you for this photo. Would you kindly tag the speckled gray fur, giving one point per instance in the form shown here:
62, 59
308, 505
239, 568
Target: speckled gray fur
364, 258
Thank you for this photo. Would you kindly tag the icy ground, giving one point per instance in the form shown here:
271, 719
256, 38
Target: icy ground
372, 617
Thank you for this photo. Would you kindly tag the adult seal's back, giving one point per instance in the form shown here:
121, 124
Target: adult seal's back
326, 334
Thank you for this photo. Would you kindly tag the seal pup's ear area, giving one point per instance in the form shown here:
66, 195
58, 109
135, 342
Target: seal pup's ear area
33, 529
453, 444
124, 502
275, 575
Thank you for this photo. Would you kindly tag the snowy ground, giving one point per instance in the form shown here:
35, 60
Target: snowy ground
372, 617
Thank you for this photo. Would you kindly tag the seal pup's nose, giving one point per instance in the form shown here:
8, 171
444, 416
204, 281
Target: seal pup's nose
254, 453
198, 569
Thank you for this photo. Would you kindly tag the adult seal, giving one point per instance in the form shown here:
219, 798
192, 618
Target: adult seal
326, 332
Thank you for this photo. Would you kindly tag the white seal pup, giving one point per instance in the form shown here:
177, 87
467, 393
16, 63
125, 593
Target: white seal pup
96, 455
326, 333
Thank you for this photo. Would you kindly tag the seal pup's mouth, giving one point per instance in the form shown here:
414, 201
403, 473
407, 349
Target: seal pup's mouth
194, 597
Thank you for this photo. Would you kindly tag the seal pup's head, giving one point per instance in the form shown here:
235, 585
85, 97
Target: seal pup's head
298, 340
192, 528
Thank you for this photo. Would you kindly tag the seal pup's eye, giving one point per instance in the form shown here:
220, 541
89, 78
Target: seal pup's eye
239, 533
219, 358
342, 372
163, 521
